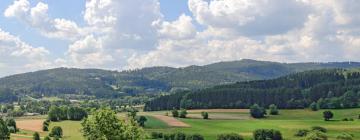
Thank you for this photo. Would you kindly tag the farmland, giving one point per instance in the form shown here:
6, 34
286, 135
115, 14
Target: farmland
237, 121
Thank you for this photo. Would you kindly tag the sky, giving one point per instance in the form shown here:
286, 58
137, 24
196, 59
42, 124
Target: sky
131, 34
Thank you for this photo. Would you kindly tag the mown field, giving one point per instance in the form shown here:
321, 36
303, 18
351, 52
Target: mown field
238, 121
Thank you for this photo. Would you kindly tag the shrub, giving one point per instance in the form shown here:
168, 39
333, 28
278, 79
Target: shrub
156, 135
175, 113
265, 134
183, 113
11, 129
257, 112
345, 119
56, 131
319, 128
328, 115
45, 128
47, 138
351, 119
179, 136
314, 106
36, 136
345, 136
230, 136
195, 137
316, 135
273, 109
169, 136
302, 133
205, 115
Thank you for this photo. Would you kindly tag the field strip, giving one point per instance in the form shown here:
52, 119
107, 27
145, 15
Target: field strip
171, 121
219, 110
32, 125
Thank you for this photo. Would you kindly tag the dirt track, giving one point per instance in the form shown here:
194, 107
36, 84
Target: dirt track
32, 125
171, 121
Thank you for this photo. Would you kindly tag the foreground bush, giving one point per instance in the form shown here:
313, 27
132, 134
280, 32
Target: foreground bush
257, 112
205, 115
230, 136
316, 135
183, 113
156, 135
345, 136
195, 137
267, 134
319, 128
302, 133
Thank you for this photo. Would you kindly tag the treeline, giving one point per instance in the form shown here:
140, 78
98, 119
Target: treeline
331, 88
66, 113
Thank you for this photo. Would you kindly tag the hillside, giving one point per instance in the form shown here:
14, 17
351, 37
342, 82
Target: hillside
108, 84
330, 88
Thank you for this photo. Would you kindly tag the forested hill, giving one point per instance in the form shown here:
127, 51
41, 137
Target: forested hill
107, 84
331, 88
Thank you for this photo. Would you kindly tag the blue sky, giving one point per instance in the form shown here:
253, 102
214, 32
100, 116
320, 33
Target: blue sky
130, 34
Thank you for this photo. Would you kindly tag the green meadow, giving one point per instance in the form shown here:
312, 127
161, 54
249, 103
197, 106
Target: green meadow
288, 122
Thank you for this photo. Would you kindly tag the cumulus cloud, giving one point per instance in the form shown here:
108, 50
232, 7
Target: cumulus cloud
291, 31
134, 33
17, 56
38, 18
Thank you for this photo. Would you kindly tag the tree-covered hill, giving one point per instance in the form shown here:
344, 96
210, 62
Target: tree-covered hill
329, 88
106, 84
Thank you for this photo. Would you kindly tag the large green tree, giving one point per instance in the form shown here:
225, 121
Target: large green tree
105, 125
4, 131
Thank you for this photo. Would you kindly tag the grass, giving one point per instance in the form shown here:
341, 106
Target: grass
71, 129
288, 122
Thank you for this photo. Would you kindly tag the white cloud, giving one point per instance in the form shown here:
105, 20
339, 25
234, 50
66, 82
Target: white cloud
88, 52
17, 56
179, 29
37, 17
291, 31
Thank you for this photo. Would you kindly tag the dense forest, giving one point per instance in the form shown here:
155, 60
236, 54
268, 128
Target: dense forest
329, 88
96, 83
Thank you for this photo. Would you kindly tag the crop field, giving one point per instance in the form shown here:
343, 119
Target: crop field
226, 121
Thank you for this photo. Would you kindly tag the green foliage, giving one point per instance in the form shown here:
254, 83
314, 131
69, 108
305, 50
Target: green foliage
316, 135
230, 136
66, 113
302, 133
36, 136
273, 109
319, 128
7, 95
265, 134
141, 120
47, 138
175, 113
328, 115
326, 87
105, 125
345, 136
205, 115
157, 135
314, 106
56, 131
257, 112
11, 124
195, 137
4, 131
183, 113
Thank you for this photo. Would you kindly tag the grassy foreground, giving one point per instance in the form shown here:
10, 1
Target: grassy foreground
288, 122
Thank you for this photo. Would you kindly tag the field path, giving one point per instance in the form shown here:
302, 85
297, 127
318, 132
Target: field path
32, 125
171, 121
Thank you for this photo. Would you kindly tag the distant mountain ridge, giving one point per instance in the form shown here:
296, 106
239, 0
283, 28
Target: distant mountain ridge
105, 83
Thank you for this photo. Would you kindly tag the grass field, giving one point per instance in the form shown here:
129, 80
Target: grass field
226, 121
